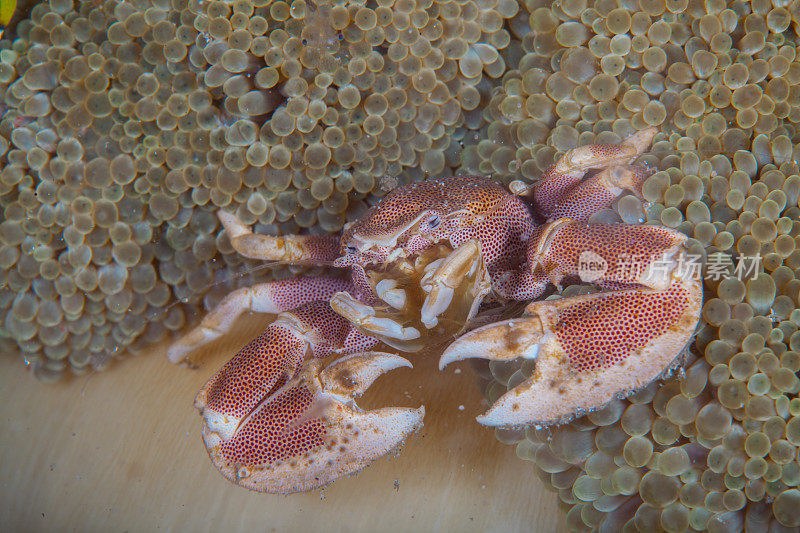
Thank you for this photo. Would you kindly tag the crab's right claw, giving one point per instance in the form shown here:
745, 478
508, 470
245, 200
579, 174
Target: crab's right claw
308, 431
588, 350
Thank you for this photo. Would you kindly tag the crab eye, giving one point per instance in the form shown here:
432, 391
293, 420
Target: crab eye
304, 42
351, 249
339, 36
434, 221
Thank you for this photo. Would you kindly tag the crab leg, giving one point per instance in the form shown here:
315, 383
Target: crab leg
318, 249
276, 420
590, 349
560, 191
271, 297
600, 191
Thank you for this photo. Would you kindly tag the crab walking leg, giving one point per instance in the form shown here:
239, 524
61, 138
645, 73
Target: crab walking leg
588, 350
276, 421
599, 191
270, 297
321, 249
564, 176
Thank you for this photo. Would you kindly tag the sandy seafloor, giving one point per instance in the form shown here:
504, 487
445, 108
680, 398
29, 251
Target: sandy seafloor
111, 453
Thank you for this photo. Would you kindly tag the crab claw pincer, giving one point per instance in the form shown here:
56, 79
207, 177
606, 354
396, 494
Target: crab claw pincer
590, 349
281, 426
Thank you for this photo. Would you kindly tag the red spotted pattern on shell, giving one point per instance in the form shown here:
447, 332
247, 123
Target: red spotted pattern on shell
403, 205
583, 199
291, 293
642, 245
552, 187
470, 208
593, 336
269, 436
253, 372
322, 247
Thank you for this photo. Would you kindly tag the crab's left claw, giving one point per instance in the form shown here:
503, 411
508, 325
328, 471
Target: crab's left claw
309, 432
588, 349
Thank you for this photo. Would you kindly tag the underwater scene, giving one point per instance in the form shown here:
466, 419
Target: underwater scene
537, 264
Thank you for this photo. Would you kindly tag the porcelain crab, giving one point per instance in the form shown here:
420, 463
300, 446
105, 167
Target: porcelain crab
430, 261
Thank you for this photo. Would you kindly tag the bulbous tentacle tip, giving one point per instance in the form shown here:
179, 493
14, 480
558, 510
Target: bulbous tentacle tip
309, 432
588, 350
